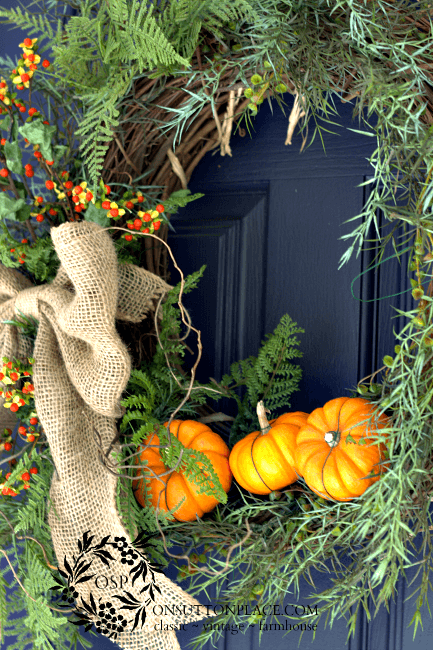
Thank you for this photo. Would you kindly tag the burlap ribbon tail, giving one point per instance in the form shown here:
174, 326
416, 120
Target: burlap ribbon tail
80, 372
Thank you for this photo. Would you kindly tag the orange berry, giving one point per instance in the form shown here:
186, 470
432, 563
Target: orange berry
14, 407
107, 189
128, 237
50, 162
4, 172
147, 217
40, 199
49, 185
27, 42
69, 185
46, 63
8, 446
52, 211
29, 173
30, 437
137, 224
40, 218
114, 212
159, 208
34, 421
33, 110
22, 431
25, 476
33, 470
24, 241
129, 204
106, 205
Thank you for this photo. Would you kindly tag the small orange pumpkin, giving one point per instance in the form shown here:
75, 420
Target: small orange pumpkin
193, 435
332, 465
264, 461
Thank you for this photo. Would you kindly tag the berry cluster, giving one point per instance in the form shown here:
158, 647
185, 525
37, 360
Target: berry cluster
146, 222
19, 252
25, 485
19, 395
71, 197
11, 373
22, 74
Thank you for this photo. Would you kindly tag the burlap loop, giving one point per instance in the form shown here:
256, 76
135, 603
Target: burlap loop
81, 370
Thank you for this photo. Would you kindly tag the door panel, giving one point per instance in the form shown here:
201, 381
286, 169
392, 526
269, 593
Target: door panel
226, 233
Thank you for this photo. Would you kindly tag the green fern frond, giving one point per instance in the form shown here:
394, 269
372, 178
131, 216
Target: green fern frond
33, 24
32, 515
144, 431
269, 377
194, 464
145, 42
44, 624
145, 401
130, 416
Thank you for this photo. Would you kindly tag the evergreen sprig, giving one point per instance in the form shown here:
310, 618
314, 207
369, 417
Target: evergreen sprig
37, 625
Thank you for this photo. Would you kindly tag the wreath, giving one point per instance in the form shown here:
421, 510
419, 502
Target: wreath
144, 91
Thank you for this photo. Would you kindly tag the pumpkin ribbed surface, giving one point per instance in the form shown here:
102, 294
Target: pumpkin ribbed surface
263, 462
193, 435
333, 465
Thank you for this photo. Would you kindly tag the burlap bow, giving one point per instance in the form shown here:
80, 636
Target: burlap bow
81, 369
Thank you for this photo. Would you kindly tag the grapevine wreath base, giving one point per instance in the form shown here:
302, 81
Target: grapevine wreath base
382, 57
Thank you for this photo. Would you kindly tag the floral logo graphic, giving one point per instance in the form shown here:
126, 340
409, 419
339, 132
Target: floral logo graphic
104, 615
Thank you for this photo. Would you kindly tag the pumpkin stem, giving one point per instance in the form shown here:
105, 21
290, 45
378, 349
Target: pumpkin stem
263, 420
332, 438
